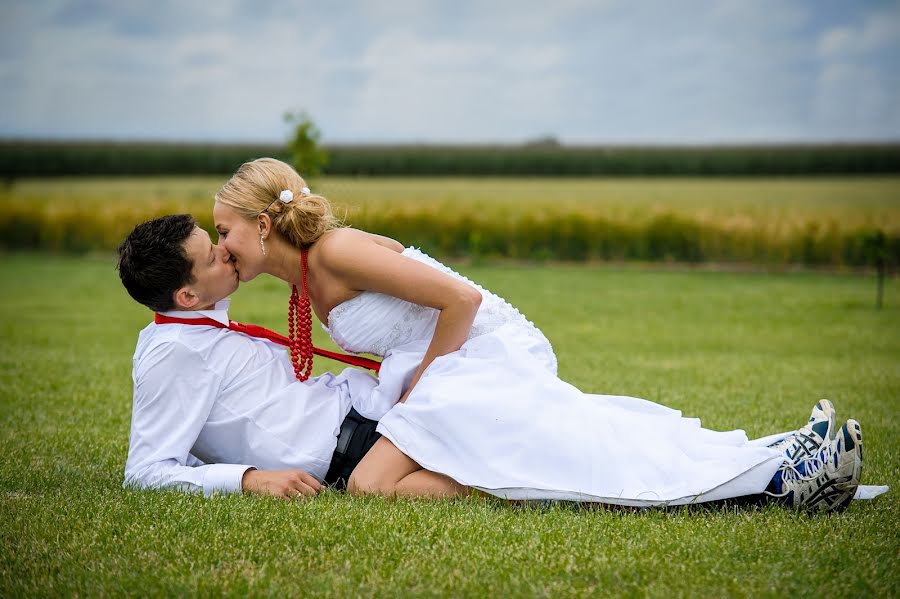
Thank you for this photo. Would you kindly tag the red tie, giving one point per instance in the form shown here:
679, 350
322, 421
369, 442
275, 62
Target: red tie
264, 333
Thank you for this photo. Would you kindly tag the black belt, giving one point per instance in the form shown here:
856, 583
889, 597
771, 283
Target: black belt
348, 427
356, 437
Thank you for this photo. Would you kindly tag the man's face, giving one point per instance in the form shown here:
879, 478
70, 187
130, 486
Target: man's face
214, 275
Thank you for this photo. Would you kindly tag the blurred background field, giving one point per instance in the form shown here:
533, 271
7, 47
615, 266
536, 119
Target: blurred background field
834, 221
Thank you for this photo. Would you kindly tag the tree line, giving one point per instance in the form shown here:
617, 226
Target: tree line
29, 158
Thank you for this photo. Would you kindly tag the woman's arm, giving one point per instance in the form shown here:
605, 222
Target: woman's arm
362, 264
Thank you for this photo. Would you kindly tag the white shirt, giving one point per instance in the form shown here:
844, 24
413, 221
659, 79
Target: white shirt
209, 403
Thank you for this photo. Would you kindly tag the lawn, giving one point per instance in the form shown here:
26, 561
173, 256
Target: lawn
739, 350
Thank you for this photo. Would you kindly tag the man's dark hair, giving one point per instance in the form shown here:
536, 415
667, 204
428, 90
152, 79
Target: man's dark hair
153, 264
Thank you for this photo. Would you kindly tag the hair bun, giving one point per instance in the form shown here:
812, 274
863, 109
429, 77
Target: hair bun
257, 187
304, 221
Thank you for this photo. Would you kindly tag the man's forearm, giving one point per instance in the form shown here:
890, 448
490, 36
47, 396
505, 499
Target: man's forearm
171, 474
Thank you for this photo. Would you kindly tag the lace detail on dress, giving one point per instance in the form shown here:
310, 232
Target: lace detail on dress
494, 311
337, 312
401, 331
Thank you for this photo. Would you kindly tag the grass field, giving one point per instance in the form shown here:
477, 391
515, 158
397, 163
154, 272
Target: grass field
750, 351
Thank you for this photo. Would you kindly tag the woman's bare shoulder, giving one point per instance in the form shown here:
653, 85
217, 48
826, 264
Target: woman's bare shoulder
345, 237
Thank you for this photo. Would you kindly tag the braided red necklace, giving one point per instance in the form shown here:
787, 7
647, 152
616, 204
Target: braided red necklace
300, 326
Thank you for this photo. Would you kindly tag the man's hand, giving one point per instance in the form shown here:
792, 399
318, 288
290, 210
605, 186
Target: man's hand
280, 483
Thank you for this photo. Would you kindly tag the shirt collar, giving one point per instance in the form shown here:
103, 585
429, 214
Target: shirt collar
219, 313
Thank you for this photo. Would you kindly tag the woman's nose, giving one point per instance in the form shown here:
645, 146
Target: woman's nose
224, 254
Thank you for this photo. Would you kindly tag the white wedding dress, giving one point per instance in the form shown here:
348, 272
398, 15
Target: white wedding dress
493, 415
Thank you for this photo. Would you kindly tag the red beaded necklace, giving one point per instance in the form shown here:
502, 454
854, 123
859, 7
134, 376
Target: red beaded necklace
300, 326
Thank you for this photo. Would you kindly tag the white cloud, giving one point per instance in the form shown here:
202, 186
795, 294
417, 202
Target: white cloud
881, 31
455, 90
857, 91
837, 41
877, 32
468, 71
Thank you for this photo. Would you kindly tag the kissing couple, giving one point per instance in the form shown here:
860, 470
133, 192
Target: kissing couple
466, 397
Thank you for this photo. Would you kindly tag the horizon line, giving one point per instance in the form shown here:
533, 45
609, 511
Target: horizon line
536, 143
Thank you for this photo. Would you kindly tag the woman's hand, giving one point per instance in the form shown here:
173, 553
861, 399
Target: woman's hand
452, 328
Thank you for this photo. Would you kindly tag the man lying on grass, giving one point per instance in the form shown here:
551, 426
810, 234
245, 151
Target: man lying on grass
219, 410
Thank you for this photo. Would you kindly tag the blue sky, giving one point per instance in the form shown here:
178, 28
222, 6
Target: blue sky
602, 71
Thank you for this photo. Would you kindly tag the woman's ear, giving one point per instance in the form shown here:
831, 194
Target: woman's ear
264, 222
186, 299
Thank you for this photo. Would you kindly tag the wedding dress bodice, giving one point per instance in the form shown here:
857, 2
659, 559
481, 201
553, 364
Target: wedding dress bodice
375, 323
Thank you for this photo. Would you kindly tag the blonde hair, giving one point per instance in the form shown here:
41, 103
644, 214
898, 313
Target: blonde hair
255, 185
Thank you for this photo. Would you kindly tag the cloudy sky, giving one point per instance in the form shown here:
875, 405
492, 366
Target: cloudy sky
601, 71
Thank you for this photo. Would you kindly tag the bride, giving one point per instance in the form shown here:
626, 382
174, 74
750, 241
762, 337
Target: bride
478, 402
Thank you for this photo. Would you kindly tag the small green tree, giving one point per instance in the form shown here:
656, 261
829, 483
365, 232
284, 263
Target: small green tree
307, 157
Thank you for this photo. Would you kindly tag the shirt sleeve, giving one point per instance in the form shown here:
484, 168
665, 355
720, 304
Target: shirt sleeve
174, 392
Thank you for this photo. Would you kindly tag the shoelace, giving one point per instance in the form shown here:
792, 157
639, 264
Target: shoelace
814, 464
788, 473
804, 433
805, 469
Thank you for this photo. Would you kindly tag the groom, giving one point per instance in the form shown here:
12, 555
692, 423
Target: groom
217, 410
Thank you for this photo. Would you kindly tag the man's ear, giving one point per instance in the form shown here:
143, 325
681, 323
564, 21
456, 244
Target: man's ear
264, 224
186, 299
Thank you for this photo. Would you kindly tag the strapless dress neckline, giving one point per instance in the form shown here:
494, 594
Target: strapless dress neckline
345, 305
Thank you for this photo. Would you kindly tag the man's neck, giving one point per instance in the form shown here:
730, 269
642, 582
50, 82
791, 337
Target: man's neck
204, 308
194, 309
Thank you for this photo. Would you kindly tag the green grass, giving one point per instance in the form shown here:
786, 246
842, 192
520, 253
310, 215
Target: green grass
749, 351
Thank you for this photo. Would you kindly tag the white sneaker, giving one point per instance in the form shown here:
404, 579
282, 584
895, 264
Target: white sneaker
809, 439
849, 441
826, 481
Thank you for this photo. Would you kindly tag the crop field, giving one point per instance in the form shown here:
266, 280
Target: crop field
738, 350
830, 222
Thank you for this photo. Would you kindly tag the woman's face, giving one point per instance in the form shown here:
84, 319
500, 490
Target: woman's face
241, 238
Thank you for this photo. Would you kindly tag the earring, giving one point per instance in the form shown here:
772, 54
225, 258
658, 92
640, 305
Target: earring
262, 245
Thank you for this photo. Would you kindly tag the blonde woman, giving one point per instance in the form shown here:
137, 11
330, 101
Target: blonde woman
479, 404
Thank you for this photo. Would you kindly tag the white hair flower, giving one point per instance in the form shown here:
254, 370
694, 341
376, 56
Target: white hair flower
286, 196
304, 191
